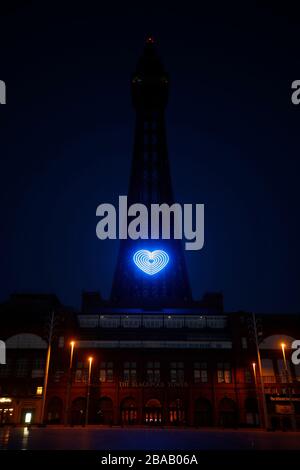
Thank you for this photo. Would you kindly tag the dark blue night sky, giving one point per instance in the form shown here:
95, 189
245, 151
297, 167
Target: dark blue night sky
233, 133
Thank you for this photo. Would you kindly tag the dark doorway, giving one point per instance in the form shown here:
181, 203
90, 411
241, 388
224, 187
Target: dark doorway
78, 411
228, 417
251, 409
104, 411
203, 413
54, 411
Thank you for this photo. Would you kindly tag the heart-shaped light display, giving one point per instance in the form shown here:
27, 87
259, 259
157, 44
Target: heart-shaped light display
151, 262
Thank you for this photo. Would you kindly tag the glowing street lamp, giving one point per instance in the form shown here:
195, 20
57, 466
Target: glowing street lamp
90, 369
263, 396
260, 411
72, 344
46, 376
283, 346
90, 359
254, 373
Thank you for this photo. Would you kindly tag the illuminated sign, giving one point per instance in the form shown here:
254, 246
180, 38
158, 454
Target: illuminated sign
151, 262
284, 409
5, 400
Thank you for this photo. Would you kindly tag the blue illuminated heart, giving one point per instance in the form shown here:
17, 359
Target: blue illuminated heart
151, 262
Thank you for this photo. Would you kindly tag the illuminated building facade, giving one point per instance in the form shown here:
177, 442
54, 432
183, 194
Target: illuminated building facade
169, 367
157, 356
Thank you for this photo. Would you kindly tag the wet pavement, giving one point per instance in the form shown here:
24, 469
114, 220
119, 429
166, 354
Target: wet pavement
107, 438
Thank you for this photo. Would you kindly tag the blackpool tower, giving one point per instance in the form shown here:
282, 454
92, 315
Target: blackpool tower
150, 183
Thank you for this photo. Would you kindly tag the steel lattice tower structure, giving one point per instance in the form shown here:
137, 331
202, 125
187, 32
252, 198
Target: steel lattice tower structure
150, 182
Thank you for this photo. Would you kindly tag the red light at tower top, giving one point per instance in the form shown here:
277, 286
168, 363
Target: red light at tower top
149, 40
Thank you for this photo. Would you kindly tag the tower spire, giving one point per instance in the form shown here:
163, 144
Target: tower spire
150, 183
150, 40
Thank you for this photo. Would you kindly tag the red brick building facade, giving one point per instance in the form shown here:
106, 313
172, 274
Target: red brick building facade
184, 368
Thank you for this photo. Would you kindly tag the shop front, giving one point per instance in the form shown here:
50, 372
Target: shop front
284, 412
19, 411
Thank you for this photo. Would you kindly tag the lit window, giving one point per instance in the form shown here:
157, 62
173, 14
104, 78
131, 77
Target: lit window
177, 372
248, 376
39, 390
81, 372
153, 372
224, 372
106, 372
129, 372
200, 372
28, 418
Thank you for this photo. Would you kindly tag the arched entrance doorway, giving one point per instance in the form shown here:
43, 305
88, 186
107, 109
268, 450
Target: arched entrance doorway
228, 417
203, 413
153, 412
78, 411
128, 411
251, 408
177, 412
54, 411
104, 411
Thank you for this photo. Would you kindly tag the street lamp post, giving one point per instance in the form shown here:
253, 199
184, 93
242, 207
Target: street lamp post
256, 390
88, 391
264, 404
69, 385
283, 346
45, 386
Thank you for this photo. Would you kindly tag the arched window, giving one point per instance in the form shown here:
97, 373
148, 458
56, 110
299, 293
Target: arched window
177, 412
153, 412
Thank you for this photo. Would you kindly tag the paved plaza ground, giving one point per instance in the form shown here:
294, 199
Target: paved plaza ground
107, 438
